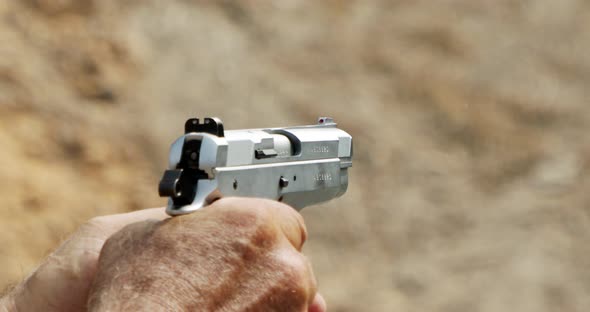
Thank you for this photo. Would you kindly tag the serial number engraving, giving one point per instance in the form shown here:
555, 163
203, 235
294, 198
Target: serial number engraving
320, 149
322, 177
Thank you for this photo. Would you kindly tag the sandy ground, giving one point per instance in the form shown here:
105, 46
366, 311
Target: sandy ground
471, 119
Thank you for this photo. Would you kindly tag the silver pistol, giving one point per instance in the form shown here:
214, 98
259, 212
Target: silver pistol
300, 166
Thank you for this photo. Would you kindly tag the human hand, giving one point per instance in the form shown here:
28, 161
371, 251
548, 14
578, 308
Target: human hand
62, 281
238, 254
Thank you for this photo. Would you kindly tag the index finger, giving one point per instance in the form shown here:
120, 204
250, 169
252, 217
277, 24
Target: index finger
110, 224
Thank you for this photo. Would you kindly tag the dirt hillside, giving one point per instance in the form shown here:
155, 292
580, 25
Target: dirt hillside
470, 189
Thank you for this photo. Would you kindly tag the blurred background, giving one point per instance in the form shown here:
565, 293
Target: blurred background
470, 189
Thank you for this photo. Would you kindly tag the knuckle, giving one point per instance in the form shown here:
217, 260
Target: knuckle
262, 222
253, 215
112, 249
119, 246
294, 280
290, 221
110, 243
294, 269
254, 221
233, 209
261, 235
126, 238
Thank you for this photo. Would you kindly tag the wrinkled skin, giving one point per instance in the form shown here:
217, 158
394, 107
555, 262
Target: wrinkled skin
236, 255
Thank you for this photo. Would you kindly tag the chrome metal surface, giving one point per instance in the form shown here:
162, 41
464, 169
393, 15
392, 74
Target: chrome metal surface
313, 160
